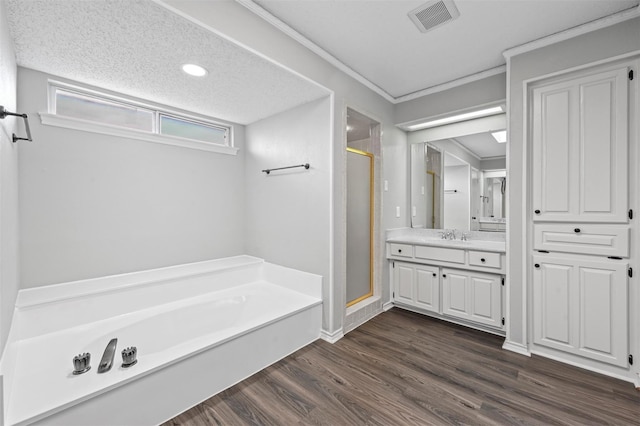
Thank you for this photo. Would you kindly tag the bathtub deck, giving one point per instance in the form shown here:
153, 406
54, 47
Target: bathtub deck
44, 388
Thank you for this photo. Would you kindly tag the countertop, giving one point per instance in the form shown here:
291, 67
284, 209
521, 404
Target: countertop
477, 241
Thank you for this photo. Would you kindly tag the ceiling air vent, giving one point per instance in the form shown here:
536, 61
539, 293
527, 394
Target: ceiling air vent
433, 14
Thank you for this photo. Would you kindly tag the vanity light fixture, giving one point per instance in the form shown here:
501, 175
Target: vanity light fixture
455, 118
500, 136
194, 70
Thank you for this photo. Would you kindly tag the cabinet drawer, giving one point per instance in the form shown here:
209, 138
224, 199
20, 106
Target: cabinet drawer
440, 253
483, 258
403, 250
488, 226
605, 240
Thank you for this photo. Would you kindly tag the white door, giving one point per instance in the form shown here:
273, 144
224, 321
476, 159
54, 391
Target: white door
580, 306
580, 148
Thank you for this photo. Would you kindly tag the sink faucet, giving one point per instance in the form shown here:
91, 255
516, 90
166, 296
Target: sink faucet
449, 234
107, 357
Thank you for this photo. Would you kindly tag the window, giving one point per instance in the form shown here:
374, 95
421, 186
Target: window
183, 128
92, 108
84, 109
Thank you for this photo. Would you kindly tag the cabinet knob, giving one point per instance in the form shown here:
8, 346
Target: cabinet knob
537, 265
536, 211
483, 260
399, 250
434, 274
576, 230
444, 275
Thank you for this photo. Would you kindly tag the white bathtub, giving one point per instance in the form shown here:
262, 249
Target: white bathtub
234, 317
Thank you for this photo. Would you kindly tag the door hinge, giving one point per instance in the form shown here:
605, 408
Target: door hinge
630, 272
630, 359
630, 213
630, 74
502, 320
502, 280
393, 264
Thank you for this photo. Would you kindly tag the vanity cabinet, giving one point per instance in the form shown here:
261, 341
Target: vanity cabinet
580, 306
459, 285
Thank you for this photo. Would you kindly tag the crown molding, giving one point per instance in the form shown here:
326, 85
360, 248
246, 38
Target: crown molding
597, 24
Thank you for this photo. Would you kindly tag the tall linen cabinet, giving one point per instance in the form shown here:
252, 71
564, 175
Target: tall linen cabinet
580, 128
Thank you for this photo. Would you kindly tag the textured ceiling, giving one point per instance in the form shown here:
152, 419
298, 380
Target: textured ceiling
377, 39
137, 47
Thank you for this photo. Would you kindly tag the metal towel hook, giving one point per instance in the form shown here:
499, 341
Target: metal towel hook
4, 113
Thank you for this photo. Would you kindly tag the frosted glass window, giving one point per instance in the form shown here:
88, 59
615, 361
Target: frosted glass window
110, 113
182, 128
104, 111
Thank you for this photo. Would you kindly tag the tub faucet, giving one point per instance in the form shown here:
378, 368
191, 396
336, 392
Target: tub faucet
107, 357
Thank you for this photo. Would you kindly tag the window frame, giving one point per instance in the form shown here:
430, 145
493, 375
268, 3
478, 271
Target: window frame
51, 118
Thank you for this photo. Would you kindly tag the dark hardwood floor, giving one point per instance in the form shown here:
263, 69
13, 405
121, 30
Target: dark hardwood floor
404, 368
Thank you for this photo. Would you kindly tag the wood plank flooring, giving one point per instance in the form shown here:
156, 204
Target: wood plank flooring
403, 368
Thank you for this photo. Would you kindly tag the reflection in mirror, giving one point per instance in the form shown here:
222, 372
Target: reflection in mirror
457, 197
459, 183
426, 187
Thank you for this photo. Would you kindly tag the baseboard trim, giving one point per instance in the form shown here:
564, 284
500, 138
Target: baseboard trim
620, 374
331, 337
387, 306
516, 347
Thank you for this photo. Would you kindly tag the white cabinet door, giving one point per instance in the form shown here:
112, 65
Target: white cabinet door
404, 282
580, 149
427, 291
417, 285
580, 306
486, 299
473, 296
455, 293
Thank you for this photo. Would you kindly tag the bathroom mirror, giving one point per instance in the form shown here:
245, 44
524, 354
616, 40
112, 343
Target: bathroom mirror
459, 181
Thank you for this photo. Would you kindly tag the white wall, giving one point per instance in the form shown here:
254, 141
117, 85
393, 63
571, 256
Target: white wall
244, 27
457, 211
8, 181
288, 212
94, 205
484, 91
594, 46
494, 164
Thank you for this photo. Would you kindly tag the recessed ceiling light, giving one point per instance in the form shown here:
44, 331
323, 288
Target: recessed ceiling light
500, 136
194, 70
455, 118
